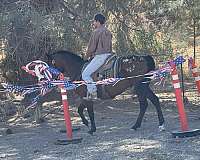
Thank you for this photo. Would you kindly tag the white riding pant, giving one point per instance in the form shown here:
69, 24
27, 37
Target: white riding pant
92, 67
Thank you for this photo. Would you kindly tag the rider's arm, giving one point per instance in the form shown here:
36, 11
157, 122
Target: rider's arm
106, 41
92, 45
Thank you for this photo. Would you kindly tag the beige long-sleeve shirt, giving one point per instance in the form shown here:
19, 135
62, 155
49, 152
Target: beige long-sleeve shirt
100, 42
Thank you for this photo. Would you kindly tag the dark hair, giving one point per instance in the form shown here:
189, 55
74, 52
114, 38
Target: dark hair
100, 17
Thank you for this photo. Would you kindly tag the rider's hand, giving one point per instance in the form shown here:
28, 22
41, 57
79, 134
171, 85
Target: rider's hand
88, 57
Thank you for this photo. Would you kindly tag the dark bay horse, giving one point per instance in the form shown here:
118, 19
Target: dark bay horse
71, 65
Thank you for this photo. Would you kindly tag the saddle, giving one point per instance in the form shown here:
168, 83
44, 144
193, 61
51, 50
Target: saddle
107, 70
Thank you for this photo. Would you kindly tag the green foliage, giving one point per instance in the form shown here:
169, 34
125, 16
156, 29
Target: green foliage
30, 29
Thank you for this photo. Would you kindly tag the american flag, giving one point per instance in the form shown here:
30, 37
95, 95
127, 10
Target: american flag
34, 102
48, 72
109, 81
53, 71
179, 60
46, 87
21, 89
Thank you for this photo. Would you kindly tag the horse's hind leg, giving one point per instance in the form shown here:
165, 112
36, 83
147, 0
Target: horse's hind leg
143, 106
80, 111
155, 100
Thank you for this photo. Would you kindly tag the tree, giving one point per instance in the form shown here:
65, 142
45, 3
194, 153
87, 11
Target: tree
30, 29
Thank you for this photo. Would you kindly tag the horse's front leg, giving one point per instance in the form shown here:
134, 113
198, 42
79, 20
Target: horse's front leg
155, 100
80, 112
90, 109
141, 93
143, 107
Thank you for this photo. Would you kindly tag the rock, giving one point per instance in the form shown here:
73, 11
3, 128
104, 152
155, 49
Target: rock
36, 151
2, 155
9, 131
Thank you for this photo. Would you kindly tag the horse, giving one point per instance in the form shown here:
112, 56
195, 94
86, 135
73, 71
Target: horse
132, 68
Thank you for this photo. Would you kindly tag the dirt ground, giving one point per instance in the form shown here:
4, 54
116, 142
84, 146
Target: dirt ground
114, 139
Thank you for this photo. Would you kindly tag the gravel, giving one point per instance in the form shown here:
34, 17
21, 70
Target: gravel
113, 140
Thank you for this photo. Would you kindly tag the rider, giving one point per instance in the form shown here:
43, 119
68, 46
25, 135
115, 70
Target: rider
99, 48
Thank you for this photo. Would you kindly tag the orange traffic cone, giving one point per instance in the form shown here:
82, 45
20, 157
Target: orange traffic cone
179, 100
68, 124
185, 132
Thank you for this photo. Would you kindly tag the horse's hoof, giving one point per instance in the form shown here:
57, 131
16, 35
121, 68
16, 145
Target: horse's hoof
40, 120
90, 132
135, 127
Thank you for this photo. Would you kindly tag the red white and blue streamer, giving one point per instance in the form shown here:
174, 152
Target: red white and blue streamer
45, 74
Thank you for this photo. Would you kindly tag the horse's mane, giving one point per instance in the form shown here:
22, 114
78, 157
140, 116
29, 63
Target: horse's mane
68, 54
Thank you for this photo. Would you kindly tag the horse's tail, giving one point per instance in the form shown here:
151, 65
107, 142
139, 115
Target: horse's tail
150, 63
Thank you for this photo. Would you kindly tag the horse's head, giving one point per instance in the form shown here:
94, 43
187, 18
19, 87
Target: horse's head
66, 62
50, 59
53, 60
